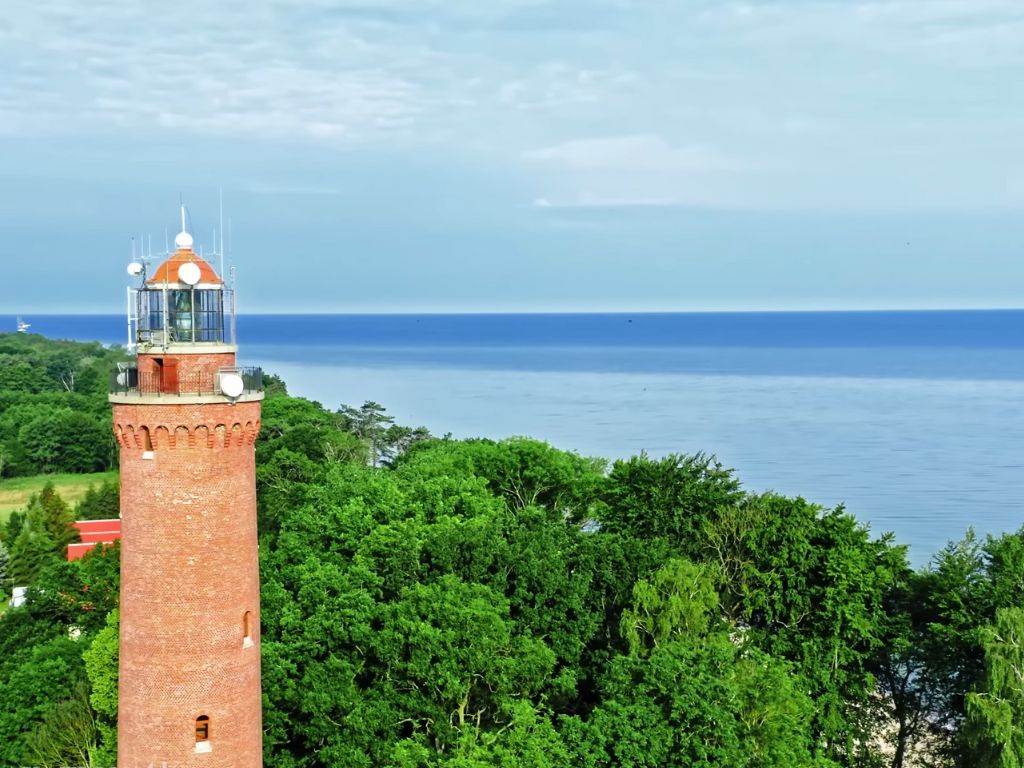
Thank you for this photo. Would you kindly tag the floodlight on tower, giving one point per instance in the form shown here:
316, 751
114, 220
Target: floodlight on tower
231, 384
189, 273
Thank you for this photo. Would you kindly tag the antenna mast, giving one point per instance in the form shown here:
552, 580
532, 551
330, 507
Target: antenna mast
221, 232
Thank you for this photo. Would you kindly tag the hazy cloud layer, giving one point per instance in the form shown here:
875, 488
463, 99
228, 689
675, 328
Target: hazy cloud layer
403, 126
805, 86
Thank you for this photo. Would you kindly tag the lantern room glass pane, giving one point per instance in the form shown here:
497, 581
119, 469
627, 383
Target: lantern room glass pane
209, 315
179, 315
192, 315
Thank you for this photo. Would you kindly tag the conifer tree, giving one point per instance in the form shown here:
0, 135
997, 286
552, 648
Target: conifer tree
32, 551
10, 531
43, 537
48, 511
101, 502
5, 561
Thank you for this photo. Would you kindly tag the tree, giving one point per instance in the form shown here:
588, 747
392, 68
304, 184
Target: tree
101, 658
956, 603
274, 386
677, 601
53, 410
48, 511
304, 427
397, 439
528, 739
31, 552
671, 497
64, 440
810, 587
13, 527
689, 695
5, 562
995, 713
80, 593
911, 706
523, 472
32, 681
369, 422
43, 538
102, 502
67, 734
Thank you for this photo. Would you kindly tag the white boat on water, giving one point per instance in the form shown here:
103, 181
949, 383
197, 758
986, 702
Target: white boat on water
23, 326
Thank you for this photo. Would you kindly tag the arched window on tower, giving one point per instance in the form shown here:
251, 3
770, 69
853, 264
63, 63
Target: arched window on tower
247, 630
147, 443
203, 734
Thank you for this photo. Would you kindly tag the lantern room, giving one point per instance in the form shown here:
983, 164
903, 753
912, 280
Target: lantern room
183, 302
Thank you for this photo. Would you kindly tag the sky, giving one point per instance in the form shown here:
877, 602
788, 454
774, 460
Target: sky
519, 155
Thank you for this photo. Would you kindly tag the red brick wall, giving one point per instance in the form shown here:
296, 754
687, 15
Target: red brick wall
196, 373
189, 572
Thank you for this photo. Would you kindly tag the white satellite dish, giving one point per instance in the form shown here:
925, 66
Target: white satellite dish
231, 384
135, 269
189, 273
122, 379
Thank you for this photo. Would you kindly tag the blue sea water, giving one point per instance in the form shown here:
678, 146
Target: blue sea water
912, 419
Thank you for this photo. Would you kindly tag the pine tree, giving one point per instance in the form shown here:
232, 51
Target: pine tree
49, 512
5, 561
10, 531
370, 423
32, 551
101, 502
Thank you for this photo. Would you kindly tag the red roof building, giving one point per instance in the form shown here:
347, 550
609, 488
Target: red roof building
91, 533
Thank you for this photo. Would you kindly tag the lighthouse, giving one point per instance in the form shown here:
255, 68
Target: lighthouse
186, 418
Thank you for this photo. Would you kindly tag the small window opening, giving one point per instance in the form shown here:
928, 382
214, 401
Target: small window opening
147, 443
247, 629
202, 728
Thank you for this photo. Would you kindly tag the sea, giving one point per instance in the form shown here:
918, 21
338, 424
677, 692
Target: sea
911, 419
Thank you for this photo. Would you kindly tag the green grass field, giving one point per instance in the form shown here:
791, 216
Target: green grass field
15, 491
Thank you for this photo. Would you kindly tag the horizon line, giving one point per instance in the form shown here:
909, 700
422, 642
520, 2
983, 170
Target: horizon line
471, 313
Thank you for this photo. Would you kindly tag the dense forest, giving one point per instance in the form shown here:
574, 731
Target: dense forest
429, 601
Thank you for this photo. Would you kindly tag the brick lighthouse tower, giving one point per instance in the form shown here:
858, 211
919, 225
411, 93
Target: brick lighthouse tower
186, 418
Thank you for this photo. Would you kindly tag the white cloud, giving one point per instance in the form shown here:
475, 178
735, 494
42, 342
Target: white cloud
637, 152
193, 67
323, 70
633, 170
671, 100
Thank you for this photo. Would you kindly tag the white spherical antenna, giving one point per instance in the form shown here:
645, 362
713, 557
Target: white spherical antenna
135, 269
183, 240
189, 273
231, 384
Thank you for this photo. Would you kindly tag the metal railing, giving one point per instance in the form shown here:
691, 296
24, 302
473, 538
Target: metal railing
128, 380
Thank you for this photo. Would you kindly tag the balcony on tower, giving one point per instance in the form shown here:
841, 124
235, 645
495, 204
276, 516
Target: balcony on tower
163, 377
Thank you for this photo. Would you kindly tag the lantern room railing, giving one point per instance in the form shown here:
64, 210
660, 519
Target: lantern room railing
128, 380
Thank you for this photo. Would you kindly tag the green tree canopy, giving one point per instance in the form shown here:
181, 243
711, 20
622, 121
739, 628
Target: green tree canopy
995, 712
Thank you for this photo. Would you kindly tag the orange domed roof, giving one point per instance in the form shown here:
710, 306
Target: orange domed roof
168, 271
